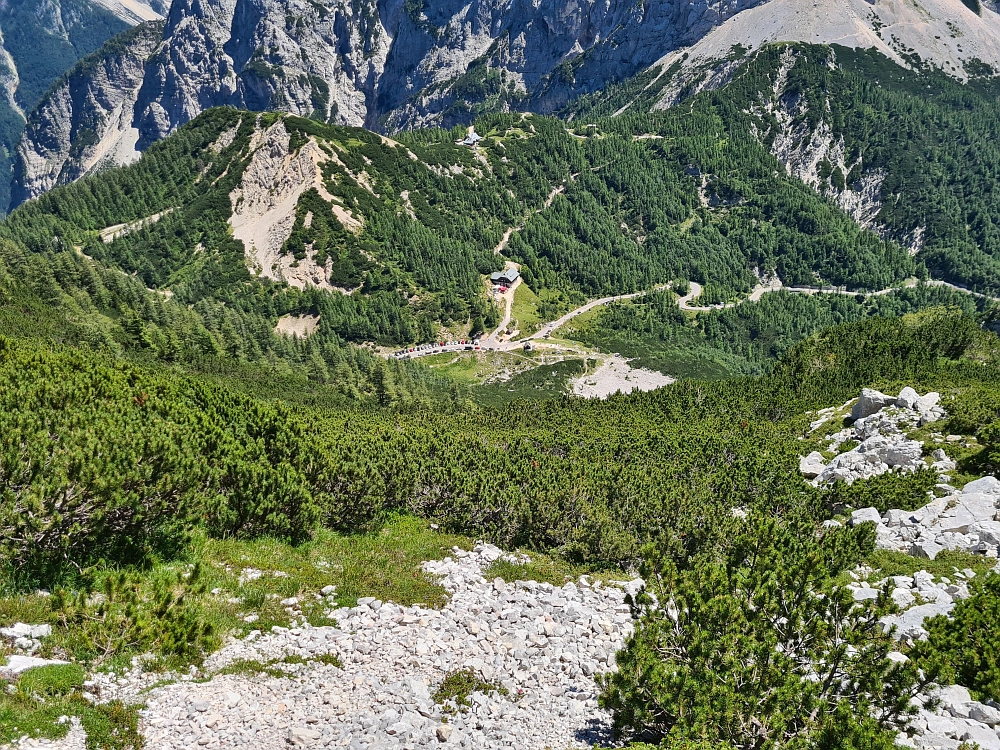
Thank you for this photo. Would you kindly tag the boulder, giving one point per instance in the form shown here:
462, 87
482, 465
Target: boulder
987, 531
871, 402
905, 454
865, 594
953, 695
926, 549
903, 598
987, 486
897, 517
984, 714
443, 732
957, 521
936, 723
981, 735
928, 402
981, 505
910, 624
907, 398
864, 515
812, 465
932, 741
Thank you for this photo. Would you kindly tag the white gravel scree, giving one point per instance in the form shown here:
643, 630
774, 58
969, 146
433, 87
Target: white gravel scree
543, 643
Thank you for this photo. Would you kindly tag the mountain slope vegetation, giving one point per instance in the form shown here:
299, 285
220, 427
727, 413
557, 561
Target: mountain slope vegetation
908, 152
406, 229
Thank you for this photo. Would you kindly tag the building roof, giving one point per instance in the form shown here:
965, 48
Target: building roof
472, 139
509, 276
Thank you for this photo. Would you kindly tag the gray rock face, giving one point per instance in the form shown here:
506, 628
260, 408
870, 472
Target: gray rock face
383, 65
85, 122
870, 402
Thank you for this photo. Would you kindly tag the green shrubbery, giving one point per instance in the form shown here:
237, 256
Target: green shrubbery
33, 704
750, 646
965, 645
884, 492
459, 684
106, 463
109, 462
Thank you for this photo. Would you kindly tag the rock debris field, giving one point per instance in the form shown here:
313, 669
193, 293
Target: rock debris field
543, 643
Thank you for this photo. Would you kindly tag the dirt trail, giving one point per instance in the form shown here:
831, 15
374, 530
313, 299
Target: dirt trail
502, 245
508, 299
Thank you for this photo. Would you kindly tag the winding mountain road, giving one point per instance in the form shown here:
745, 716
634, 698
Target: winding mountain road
493, 343
548, 328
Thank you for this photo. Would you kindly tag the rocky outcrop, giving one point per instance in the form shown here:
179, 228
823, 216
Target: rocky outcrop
85, 122
944, 33
264, 207
383, 65
880, 426
964, 520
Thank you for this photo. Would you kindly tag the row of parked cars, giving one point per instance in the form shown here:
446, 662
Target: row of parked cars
421, 350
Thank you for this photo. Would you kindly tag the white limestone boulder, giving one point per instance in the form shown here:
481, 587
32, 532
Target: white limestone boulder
871, 402
864, 515
812, 465
907, 398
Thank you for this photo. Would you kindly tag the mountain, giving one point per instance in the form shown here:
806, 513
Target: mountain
39, 41
398, 65
390, 239
960, 37
386, 66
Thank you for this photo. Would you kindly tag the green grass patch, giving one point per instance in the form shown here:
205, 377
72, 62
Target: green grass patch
52, 681
183, 610
384, 564
273, 667
459, 684
525, 310
945, 563
33, 706
545, 569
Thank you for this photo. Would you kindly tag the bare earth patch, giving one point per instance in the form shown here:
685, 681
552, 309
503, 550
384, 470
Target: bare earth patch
299, 326
615, 375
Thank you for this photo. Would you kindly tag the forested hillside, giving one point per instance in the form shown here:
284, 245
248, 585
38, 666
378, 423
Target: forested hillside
909, 153
750, 338
404, 230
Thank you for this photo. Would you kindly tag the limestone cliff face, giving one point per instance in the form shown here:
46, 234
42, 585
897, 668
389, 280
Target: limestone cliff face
383, 64
85, 121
